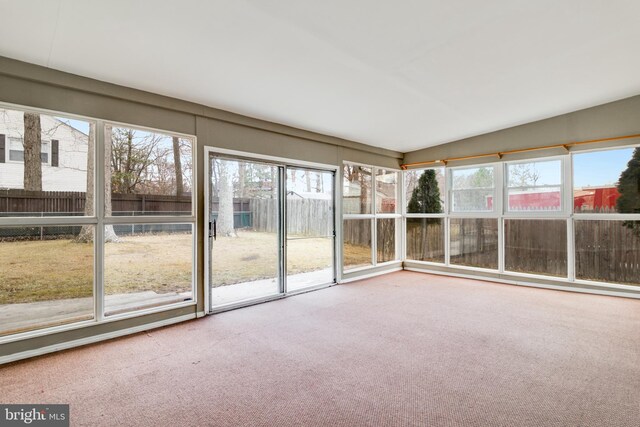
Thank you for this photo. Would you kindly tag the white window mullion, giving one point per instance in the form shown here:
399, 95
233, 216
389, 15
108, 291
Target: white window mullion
374, 229
500, 208
98, 238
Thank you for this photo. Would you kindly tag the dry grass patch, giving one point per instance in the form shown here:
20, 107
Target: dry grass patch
59, 269
254, 256
45, 270
356, 255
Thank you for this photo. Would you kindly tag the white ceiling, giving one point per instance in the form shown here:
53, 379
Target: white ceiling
398, 74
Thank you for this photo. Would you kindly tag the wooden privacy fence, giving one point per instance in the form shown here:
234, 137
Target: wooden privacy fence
536, 246
307, 217
425, 239
27, 203
357, 232
608, 251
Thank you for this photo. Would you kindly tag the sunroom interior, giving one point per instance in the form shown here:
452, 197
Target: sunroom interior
128, 205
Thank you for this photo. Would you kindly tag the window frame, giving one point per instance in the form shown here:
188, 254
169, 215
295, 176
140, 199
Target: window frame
99, 220
591, 216
502, 214
185, 215
563, 211
444, 215
373, 217
497, 195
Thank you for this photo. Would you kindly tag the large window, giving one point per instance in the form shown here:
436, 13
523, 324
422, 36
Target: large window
536, 246
371, 215
356, 190
474, 242
534, 186
606, 201
151, 172
46, 277
606, 182
425, 206
55, 219
473, 189
146, 264
574, 217
608, 251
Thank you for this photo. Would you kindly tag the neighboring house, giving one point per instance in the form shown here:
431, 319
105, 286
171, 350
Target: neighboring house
596, 199
64, 153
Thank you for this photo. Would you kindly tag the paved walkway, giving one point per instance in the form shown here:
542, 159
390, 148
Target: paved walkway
16, 318
260, 288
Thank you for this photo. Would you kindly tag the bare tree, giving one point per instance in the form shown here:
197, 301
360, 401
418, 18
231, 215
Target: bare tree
109, 232
523, 175
32, 142
178, 165
225, 200
307, 180
242, 178
86, 234
133, 159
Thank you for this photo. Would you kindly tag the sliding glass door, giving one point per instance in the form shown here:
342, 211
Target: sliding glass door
310, 228
245, 231
271, 229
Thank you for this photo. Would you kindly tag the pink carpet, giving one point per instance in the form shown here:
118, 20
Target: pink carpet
402, 349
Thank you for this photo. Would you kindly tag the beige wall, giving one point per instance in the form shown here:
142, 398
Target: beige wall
33, 86
604, 121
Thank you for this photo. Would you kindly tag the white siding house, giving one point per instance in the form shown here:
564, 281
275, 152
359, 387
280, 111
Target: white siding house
64, 153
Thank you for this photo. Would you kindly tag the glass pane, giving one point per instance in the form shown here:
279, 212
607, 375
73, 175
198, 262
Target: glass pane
534, 186
474, 242
246, 251
536, 246
150, 173
608, 251
309, 228
607, 181
309, 203
472, 190
56, 152
386, 239
425, 190
150, 265
357, 243
356, 190
304, 270
386, 191
46, 278
425, 239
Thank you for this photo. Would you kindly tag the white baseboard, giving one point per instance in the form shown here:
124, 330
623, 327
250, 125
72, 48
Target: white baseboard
567, 287
93, 339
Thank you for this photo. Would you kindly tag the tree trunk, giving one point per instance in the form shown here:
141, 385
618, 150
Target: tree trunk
86, 234
32, 152
178, 165
307, 178
242, 177
109, 232
225, 203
